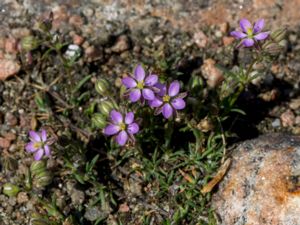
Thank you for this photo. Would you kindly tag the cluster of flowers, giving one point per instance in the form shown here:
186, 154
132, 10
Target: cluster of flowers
166, 99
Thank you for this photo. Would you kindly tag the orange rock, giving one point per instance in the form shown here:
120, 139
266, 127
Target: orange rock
4, 143
227, 40
211, 73
287, 118
200, 39
262, 185
77, 39
8, 68
11, 45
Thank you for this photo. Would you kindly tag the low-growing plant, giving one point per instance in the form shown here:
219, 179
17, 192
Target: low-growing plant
160, 136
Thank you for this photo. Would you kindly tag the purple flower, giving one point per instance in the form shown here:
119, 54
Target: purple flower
38, 144
250, 34
140, 86
122, 128
168, 100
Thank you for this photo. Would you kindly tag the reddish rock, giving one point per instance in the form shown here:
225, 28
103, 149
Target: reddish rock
11, 45
122, 44
10, 119
10, 136
211, 73
200, 39
227, 40
4, 143
8, 68
77, 39
262, 184
287, 118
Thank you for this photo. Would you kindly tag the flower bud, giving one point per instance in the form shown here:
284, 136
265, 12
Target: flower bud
105, 107
98, 120
274, 49
196, 82
29, 43
278, 35
102, 86
10, 189
42, 179
37, 167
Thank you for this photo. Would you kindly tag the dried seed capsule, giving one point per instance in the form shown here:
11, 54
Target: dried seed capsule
99, 120
37, 167
42, 179
278, 35
10, 189
105, 107
102, 86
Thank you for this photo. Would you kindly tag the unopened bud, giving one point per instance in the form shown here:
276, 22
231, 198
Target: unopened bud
37, 167
274, 48
99, 120
102, 86
105, 107
10, 189
42, 179
278, 35
196, 82
29, 43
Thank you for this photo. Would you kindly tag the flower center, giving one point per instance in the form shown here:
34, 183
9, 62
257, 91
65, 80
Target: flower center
140, 85
250, 32
166, 98
37, 145
122, 126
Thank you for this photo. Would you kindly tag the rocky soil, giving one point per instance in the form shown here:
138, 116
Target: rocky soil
112, 37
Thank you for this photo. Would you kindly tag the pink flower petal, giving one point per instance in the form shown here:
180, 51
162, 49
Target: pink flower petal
135, 95
245, 25
129, 118
133, 128
111, 129
148, 94
129, 82
39, 154
122, 138
162, 89
261, 36
155, 103
259, 25
30, 147
151, 80
248, 42
178, 103
34, 136
174, 88
167, 110
47, 150
139, 73
116, 117
44, 135
238, 34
